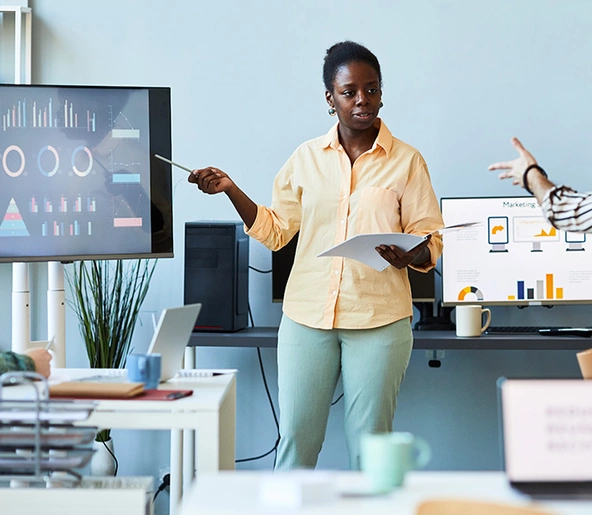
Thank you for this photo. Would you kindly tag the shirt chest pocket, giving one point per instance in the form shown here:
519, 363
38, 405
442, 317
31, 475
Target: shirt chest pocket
378, 211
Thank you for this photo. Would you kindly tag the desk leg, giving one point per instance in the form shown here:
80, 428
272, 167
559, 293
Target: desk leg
188, 458
188, 435
216, 436
228, 430
176, 487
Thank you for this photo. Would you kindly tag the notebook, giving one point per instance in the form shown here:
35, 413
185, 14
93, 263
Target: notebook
171, 337
546, 436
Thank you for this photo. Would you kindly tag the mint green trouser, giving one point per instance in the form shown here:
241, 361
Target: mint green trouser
372, 364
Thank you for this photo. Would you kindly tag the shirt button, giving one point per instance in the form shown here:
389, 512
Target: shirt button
334, 293
342, 222
336, 272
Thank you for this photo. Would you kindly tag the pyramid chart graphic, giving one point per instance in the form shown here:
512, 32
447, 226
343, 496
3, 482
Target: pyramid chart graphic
12, 223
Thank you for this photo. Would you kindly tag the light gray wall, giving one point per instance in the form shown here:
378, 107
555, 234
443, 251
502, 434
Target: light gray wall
460, 78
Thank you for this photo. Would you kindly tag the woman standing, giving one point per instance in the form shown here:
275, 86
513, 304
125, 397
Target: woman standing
341, 317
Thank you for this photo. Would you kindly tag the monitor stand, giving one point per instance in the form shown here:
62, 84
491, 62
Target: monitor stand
428, 322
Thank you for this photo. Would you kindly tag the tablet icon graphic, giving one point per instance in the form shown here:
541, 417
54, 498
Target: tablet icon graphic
498, 236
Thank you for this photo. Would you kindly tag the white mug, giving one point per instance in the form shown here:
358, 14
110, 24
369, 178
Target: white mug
469, 320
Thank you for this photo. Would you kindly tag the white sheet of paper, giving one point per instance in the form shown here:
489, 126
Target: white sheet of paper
362, 247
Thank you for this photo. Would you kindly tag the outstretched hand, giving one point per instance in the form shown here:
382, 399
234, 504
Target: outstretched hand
211, 180
515, 168
401, 259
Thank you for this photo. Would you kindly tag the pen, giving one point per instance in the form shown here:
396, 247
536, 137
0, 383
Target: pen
50, 343
176, 395
173, 163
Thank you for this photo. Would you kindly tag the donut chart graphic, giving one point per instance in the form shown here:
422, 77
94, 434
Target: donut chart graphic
13, 173
82, 173
468, 290
13, 223
48, 148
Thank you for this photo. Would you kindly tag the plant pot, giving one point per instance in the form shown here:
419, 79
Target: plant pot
103, 461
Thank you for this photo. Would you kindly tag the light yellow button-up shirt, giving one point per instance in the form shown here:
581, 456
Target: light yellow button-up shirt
319, 193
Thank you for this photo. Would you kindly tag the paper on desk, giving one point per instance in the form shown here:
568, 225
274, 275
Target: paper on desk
362, 247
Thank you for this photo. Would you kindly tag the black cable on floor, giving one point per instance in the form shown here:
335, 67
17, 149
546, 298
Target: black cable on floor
275, 418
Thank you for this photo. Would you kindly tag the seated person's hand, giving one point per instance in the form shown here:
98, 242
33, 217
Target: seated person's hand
41, 358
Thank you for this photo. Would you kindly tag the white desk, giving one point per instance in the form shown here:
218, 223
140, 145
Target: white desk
210, 411
227, 493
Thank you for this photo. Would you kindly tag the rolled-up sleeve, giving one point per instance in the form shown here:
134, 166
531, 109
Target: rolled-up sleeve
420, 213
276, 225
568, 210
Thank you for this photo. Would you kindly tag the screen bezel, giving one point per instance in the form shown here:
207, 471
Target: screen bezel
160, 142
515, 302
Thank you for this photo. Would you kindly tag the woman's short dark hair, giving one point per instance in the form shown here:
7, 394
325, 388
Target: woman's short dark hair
344, 53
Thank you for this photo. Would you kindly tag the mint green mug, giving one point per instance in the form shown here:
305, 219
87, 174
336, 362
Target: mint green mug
385, 458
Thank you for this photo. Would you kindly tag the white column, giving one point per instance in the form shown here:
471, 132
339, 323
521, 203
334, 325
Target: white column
28, 33
176, 484
56, 312
21, 297
18, 30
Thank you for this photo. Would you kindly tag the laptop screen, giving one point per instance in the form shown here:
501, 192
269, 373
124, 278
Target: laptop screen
546, 429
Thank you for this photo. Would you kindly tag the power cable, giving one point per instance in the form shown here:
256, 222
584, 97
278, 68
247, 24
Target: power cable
275, 418
166, 482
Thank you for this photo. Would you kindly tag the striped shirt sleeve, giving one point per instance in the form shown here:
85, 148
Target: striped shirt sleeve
568, 210
13, 362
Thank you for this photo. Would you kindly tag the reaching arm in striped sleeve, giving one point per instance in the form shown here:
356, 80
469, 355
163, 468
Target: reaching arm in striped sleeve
568, 210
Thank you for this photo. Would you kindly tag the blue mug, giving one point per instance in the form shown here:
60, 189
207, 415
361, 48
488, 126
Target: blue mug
144, 368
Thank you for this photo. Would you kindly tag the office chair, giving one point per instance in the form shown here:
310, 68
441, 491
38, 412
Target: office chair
469, 507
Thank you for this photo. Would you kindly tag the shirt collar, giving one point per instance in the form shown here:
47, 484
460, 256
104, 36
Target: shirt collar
383, 140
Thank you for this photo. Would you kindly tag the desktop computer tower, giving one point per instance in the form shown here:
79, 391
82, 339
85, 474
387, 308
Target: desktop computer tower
217, 274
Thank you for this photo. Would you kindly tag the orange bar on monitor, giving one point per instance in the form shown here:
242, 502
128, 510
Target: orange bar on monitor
559, 293
549, 286
511, 297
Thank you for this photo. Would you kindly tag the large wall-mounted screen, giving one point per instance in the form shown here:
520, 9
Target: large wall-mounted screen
78, 177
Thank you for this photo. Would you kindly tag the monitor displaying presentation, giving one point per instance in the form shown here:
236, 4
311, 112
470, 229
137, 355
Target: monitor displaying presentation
78, 177
514, 256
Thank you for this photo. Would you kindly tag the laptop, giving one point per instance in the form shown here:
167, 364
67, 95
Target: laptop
546, 436
171, 337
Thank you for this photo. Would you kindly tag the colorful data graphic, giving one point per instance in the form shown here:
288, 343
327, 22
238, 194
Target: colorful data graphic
544, 289
514, 256
470, 293
12, 222
44, 115
533, 229
76, 162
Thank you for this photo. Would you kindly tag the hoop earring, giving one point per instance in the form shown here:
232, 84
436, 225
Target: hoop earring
332, 111
381, 105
